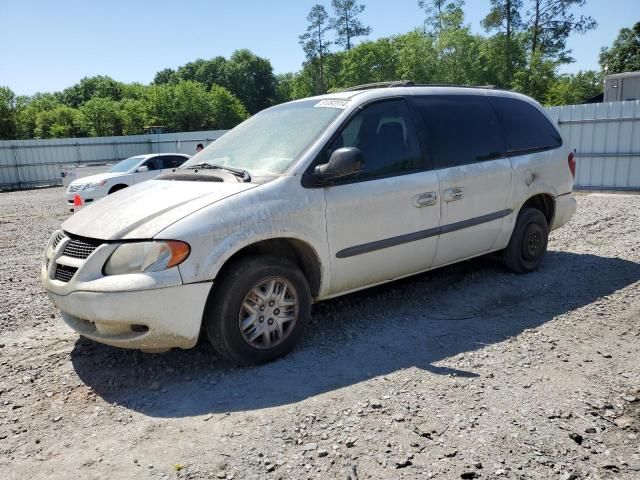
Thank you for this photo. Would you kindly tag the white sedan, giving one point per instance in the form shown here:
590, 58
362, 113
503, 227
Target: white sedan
123, 174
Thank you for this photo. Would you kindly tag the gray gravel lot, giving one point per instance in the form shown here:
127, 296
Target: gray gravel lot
465, 372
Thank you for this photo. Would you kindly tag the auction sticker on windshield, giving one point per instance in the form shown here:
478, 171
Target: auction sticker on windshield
333, 103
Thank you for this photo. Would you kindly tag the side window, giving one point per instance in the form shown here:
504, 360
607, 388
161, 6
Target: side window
172, 161
152, 164
459, 129
386, 135
525, 128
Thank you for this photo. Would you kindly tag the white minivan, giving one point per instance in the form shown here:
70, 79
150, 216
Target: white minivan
306, 201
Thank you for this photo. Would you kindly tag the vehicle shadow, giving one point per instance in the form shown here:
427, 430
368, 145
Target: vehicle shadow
417, 322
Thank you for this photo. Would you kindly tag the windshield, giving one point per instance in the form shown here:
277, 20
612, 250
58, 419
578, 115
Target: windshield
125, 165
268, 142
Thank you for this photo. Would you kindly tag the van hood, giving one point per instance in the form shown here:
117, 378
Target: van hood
144, 210
98, 177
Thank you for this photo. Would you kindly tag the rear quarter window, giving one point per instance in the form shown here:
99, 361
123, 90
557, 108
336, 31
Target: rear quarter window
459, 129
525, 128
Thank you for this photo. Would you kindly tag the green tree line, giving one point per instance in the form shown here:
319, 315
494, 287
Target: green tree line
522, 48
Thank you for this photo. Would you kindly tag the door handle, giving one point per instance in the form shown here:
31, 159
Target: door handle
425, 199
453, 194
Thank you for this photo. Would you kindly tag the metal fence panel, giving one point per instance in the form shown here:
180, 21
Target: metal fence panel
606, 137
28, 163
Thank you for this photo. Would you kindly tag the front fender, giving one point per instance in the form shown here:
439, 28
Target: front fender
281, 209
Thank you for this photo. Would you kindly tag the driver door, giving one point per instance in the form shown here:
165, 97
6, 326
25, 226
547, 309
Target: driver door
381, 223
153, 164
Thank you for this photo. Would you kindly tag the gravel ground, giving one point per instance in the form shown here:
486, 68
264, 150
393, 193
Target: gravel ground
464, 372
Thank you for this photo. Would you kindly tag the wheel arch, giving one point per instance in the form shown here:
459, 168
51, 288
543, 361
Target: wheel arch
298, 251
116, 187
543, 202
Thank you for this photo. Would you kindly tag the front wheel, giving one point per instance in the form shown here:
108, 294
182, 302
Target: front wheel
528, 242
258, 310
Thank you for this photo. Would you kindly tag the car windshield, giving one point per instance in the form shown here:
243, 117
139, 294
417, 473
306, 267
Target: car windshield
269, 142
125, 165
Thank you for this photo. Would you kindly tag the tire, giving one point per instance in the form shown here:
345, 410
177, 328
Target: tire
528, 242
117, 188
237, 291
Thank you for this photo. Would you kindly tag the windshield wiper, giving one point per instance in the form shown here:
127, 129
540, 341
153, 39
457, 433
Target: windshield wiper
238, 172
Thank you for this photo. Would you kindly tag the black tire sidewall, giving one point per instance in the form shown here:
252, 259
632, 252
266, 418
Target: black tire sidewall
225, 300
513, 255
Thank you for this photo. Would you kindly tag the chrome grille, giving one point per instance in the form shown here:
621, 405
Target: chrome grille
73, 188
65, 273
77, 248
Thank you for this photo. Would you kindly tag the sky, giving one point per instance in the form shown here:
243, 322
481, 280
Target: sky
47, 46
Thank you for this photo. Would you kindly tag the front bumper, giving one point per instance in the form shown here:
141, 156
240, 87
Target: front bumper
88, 197
148, 320
149, 311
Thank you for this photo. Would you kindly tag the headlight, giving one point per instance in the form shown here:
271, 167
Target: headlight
141, 257
92, 185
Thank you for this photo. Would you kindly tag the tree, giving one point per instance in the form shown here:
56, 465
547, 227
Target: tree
550, 24
251, 79
102, 117
28, 109
369, 62
90, 87
284, 87
167, 75
212, 72
314, 42
624, 54
189, 70
500, 59
572, 89
437, 10
417, 57
226, 110
8, 121
504, 16
458, 53
346, 24
133, 116
536, 80
61, 122
187, 106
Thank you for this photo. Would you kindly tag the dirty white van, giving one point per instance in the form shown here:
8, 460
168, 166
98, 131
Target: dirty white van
306, 201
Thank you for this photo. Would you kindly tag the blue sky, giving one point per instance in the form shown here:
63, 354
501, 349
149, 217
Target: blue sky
50, 45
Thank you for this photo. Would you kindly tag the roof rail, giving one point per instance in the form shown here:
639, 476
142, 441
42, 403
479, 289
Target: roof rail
368, 86
410, 83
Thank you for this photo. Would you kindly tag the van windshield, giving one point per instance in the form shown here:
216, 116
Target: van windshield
269, 142
126, 165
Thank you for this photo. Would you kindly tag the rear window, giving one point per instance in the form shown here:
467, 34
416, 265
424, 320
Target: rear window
525, 128
459, 129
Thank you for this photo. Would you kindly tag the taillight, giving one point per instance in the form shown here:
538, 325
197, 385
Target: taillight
572, 164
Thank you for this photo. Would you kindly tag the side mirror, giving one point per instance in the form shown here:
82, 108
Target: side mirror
142, 168
343, 163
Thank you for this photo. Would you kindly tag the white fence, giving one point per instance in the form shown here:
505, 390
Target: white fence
29, 163
606, 137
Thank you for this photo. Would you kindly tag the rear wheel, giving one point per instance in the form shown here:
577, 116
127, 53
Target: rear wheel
258, 310
528, 242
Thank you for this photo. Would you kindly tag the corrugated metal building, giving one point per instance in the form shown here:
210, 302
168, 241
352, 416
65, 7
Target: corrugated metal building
606, 137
